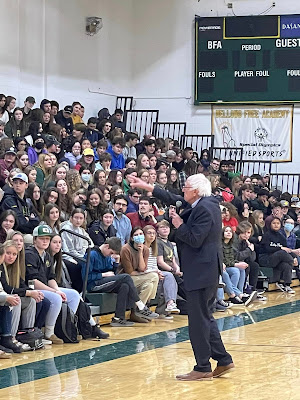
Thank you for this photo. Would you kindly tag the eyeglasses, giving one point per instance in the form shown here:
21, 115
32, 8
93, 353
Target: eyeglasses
121, 204
187, 187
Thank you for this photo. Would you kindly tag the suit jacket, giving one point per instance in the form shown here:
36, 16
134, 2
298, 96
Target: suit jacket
199, 240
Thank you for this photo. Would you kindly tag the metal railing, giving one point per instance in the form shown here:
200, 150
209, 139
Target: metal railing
229, 153
198, 143
172, 130
285, 182
82, 260
249, 168
141, 121
125, 103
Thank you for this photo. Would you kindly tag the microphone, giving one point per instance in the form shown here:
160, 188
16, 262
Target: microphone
178, 205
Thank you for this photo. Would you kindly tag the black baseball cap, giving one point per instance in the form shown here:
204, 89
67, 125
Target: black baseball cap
50, 140
68, 109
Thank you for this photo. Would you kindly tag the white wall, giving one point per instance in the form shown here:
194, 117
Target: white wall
164, 59
46, 53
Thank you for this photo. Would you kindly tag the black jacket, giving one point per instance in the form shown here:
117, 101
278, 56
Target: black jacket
98, 234
36, 267
241, 250
272, 241
64, 122
198, 239
21, 291
11, 201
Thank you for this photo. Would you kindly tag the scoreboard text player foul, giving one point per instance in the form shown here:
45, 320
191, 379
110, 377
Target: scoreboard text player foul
247, 59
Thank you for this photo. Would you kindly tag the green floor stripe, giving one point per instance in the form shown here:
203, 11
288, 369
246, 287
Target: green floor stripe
45, 368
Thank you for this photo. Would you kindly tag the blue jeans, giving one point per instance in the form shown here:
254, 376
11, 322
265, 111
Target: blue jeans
234, 279
5, 321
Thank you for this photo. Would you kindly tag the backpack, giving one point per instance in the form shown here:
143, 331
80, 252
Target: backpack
31, 336
66, 325
83, 315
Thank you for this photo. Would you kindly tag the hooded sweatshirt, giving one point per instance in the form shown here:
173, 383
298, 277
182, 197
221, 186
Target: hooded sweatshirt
73, 244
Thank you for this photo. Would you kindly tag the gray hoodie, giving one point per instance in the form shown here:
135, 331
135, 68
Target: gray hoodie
73, 244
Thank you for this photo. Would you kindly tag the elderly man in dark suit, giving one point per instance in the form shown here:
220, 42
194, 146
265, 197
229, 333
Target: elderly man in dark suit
198, 238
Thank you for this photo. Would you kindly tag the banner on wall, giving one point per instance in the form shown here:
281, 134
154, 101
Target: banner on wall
264, 132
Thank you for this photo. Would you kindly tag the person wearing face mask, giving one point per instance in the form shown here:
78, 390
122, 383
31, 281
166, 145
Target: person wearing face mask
288, 226
275, 254
134, 259
36, 149
86, 177
102, 278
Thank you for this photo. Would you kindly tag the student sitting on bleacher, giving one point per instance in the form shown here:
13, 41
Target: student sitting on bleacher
102, 228
244, 251
75, 246
134, 259
233, 271
102, 278
275, 254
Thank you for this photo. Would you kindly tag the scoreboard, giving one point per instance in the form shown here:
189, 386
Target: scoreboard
251, 59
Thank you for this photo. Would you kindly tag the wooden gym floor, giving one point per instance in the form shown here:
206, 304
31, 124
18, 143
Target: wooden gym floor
141, 362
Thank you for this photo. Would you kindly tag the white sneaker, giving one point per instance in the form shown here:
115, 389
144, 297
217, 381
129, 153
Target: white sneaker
172, 308
261, 298
46, 342
280, 286
289, 290
23, 346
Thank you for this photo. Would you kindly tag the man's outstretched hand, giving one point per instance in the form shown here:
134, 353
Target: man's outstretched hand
136, 182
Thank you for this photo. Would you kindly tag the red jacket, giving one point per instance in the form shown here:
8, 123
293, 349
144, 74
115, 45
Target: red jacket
137, 220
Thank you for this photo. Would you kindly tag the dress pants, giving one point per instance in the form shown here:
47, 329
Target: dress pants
203, 330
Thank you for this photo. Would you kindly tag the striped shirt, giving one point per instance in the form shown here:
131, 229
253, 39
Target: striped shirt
152, 262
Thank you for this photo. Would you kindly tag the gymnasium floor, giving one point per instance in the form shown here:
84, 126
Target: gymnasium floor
141, 362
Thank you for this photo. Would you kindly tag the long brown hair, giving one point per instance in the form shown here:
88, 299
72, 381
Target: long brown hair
12, 272
153, 245
17, 162
22, 265
58, 261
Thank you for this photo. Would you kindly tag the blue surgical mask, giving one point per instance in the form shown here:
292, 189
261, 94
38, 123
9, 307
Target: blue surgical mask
139, 239
86, 177
288, 227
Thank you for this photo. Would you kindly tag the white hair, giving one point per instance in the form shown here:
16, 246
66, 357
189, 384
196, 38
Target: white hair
201, 183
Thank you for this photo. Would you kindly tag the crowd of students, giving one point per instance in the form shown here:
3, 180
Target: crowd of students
67, 186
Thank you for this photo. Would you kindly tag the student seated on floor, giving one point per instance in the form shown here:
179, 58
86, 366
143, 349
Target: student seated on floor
102, 278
